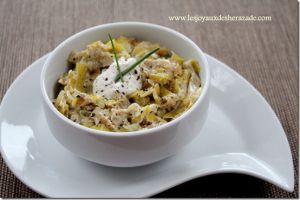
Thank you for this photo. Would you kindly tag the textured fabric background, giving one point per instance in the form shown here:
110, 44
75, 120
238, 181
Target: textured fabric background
265, 53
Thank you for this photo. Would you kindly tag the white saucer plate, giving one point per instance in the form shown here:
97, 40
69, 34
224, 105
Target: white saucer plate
242, 135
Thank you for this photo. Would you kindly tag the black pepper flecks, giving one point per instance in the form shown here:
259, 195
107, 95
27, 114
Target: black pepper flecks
106, 79
135, 71
138, 78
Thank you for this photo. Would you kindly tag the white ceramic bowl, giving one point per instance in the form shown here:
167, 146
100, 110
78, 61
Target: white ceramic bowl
124, 149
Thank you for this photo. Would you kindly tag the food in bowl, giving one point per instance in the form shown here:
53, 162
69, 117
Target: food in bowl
124, 149
127, 85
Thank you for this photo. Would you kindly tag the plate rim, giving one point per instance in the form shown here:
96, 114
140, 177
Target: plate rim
236, 171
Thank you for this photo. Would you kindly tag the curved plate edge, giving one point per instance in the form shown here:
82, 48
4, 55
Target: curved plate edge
289, 187
39, 61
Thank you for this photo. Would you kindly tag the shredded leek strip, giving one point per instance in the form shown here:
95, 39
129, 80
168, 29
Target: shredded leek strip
81, 72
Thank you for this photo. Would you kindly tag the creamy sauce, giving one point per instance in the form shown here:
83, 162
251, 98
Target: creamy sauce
104, 84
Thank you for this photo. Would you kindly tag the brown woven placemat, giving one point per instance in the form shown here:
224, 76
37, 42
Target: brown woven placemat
265, 53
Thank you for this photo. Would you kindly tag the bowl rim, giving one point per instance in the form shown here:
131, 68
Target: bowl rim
142, 132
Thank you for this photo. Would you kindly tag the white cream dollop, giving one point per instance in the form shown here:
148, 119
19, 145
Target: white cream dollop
105, 85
